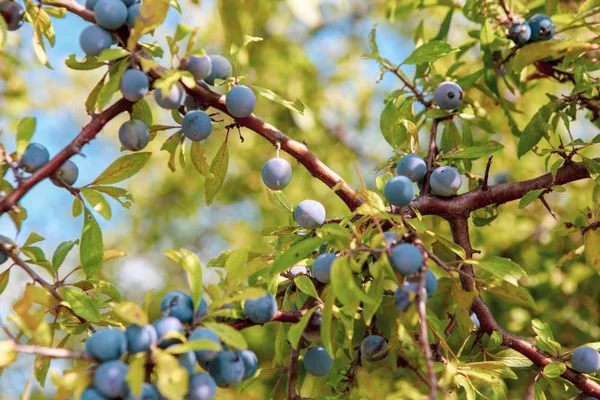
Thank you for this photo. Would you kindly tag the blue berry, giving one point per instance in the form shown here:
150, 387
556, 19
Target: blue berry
586, 360
373, 349
240, 101
322, 267
179, 305
445, 181
34, 157
188, 361
133, 12
106, 344
447, 95
431, 282
140, 338
412, 166
3, 256
202, 387
134, 85
110, 14
542, 28
220, 69
134, 135
317, 361
204, 357
165, 325
405, 295
149, 392
227, 369
94, 39
12, 13
109, 379
196, 125
250, 362
200, 67
276, 173
520, 33
406, 258
399, 191
92, 394
68, 172
174, 98
262, 309
309, 214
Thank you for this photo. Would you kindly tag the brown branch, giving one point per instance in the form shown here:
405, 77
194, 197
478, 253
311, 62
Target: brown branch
396, 71
424, 335
291, 392
495, 195
88, 133
281, 316
8, 250
488, 324
431, 152
506, 9
51, 352
296, 149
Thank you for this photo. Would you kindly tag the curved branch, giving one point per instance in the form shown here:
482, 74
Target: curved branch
497, 194
7, 249
51, 352
296, 149
460, 234
88, 133
281, 316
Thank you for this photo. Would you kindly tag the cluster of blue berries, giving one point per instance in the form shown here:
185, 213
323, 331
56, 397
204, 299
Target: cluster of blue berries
539, 28
222, 368
12, 13
36, 156
400, 190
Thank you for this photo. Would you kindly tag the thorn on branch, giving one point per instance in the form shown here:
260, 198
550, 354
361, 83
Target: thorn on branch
451, 326
486, 177
545, 203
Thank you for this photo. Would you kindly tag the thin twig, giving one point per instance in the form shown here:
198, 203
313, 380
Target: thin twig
486, 177
8, 250
51, 352
431, 152
424, 336
418, 94
291, 392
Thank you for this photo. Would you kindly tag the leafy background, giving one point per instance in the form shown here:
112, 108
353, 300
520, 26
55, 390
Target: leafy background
311, 51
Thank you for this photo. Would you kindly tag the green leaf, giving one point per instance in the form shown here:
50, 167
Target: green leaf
141, 110
81, 304
305, 285
344, 283
107, 91
534, 131
513, 294
77, 207
297, 252
230, 336
152, 14
37, 257
123, 168
87, 64
430, 51
280, 201
503, 268
136, 374
92, 99
119, 194
593, 167
218, 171
513, 359
199, 159
462, 304
4, 278
98, 202
327, 323
91, 250
3, 33
33, 238
554, 369
589, 5
389, 123
8, 355
172, 378
530, 197
131, 313
61, 253
24, 134
193, 345
295, 105
234, 266
191, 264
296, 330
545, 50
495, 341
475, 152
112, 54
